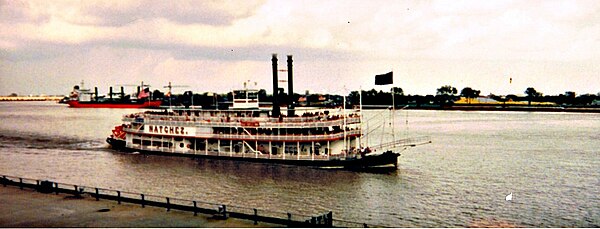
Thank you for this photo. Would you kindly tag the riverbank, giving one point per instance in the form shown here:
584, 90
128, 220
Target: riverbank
511, 108
29, 208
29, 98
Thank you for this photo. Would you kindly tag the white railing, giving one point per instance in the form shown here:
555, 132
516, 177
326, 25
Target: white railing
242, 119
406, 142
263, 137
238, 154
243, 122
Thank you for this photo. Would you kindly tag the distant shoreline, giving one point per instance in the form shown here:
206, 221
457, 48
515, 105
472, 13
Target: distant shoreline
514, 108
462, 107
493, 107
29, 98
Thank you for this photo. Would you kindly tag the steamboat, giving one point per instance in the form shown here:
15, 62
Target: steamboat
324, 137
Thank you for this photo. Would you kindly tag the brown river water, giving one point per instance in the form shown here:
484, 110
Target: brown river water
549, 161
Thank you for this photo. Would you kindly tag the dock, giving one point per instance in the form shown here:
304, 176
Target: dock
40, 203
29, 208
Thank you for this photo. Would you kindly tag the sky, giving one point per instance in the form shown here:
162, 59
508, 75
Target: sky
47, 47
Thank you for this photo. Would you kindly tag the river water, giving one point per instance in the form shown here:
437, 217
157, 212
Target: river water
549, 161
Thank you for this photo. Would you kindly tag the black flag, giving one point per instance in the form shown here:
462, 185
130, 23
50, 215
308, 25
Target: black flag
383, 79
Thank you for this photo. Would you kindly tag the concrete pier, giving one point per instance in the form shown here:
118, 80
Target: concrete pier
29, 208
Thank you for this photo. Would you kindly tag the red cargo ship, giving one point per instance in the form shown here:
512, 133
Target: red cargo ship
141, 104
84, 98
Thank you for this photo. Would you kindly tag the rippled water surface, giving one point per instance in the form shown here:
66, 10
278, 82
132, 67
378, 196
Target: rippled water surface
549, 161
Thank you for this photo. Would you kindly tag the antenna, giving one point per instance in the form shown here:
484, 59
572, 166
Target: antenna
170, 86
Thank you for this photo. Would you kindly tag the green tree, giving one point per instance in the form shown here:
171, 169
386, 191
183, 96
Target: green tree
397, 91
469, 93
447, 90
531, 93
570, 97
446, 94
353, 98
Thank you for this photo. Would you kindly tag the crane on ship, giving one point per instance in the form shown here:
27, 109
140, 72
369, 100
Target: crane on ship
140, 88
169, 92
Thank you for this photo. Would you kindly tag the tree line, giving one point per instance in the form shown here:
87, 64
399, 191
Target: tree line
445, 96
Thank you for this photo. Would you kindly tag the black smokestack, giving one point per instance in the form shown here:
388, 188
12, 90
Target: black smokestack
110, 93
276, 112
290, 111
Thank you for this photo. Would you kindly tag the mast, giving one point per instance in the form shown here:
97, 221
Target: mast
344, 127
393, 114
360, 116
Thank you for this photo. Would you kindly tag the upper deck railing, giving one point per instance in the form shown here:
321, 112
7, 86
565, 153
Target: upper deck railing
264, 137
245, 122
236, 121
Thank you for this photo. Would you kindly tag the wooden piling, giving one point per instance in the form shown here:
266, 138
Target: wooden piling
168, 204
255, 216
195, 208
224, 211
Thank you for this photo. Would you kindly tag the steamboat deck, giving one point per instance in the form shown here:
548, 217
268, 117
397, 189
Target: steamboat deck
320, 138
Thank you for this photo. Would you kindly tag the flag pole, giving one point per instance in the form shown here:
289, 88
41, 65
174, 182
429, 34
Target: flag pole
385, 79
393, 110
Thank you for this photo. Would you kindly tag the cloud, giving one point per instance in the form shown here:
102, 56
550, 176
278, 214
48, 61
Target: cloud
496, 30
353, 38
119, 13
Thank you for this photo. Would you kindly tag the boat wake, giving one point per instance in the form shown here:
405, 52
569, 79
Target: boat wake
30, 141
